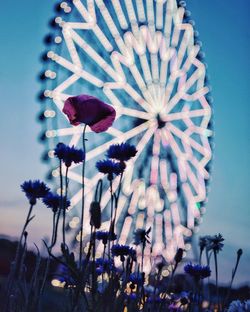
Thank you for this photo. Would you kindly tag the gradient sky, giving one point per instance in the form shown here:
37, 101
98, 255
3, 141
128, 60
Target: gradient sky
224, 28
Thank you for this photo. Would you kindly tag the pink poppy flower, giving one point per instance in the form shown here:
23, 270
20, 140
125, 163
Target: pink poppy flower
89, 110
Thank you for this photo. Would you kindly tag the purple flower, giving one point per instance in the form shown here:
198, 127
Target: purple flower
122, 251
197, 271
104, 236
53, 201
121, 152
109, 167
69, 154
90, 111
34, 190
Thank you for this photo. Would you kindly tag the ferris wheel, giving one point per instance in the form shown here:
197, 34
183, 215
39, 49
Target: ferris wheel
144, 58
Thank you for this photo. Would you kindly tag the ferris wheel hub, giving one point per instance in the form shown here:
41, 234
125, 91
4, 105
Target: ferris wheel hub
161, 123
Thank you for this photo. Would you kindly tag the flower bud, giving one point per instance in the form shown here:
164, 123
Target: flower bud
95, 214
240, 252
178, 255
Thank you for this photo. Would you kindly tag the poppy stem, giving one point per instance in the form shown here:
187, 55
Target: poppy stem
111, 227
83, 189
65, 204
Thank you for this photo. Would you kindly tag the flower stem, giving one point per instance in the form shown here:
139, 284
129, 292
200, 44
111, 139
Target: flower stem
64, 205
83, 193
61, 206
117, 198
111, 227
216, 278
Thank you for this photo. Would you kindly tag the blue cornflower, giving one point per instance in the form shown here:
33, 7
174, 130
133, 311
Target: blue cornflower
53, 201
122, 251
236, 306
34, 190
121, 152
63, 274
109, 167
203, 242
136, 278
141, 236
105, 236
60, 150
215, 243
131, 296
69, 154
104, 265
197, 271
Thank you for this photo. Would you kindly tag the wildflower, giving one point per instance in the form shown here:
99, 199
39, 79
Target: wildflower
53, 201
69, 154
63, 274
141, 236
104, 265
95, 214
215, 243
90, 111
197, 271
121, 152
131, 297
105, 236
34, 190
184, 298
122, 251
239, 252
136, 278
236, 306
247, 305
203, 242
109, 167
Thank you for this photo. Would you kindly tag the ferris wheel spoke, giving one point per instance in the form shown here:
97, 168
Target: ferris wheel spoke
182, 135
100, 61
71, 47
186, 42
66, 83
132, 163
177, 22
185, 115
77, 70
111, 25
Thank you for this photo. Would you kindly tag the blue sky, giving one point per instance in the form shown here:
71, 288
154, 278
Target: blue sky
224, 28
